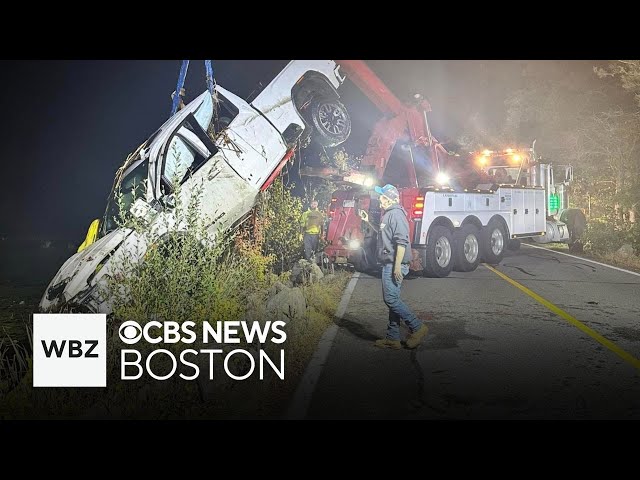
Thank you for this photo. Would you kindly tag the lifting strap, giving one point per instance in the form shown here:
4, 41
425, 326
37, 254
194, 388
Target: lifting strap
182, 77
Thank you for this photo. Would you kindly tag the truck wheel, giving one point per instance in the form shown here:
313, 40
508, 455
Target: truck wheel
438, 254
358, 261
466, 249
331, 121
493, 242
576, 224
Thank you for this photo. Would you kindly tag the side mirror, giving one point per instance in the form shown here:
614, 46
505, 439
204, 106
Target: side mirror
568, 174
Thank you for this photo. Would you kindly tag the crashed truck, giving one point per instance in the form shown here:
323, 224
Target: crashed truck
230, 148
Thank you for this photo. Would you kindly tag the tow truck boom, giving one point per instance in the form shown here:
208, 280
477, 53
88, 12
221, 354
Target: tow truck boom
400, 122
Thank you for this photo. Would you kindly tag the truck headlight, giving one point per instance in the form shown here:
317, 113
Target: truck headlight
442, 178
354, 244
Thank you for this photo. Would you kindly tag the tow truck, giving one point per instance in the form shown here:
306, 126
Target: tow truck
460, 213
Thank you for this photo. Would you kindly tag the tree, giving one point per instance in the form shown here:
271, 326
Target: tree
281, 212
608, 144
628, 71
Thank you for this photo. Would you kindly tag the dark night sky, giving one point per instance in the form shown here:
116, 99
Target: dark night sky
68, 125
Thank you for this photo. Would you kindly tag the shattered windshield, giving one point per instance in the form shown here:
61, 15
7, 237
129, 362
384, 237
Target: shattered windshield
131, 186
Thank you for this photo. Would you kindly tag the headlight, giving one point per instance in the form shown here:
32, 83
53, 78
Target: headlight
354, 244
369, 182
442, 178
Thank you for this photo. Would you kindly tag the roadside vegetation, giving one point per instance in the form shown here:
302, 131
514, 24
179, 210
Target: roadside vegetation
243, 275
595, 129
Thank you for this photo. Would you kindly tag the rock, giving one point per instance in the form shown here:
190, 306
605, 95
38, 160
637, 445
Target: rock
305, 272
277, 288
256, 305
287, 305
625, 250
316, 273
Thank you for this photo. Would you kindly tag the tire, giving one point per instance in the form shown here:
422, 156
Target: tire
493, 242
513, 245
331, 121
357, 260
576, 224
362, 261
466, 248
439, 253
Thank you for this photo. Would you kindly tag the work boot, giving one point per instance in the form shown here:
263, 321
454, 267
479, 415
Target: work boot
414, 339
388, 343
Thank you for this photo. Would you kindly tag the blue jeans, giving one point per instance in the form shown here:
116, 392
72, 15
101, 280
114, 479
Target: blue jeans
310, 245
397, 308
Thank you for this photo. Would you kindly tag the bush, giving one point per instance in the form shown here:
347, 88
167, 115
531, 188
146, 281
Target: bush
603, 237
280, 212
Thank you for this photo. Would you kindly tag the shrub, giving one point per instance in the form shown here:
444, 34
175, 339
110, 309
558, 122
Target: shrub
603, 237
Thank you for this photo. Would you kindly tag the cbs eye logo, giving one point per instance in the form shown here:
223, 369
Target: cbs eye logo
130, 332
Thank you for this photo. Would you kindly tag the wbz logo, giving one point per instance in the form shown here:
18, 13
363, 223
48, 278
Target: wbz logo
69, 350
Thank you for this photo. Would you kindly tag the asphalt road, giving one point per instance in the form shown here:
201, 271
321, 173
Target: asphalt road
493, 351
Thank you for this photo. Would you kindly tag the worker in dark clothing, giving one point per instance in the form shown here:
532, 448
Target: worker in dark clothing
311, 225
394, 252
502, 177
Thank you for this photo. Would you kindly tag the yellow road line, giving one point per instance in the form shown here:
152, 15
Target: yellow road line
626, 356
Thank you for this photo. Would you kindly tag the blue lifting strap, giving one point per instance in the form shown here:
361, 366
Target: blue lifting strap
209, 70
182, 77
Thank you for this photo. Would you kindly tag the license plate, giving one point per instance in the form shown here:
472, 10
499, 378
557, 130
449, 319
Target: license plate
349, 203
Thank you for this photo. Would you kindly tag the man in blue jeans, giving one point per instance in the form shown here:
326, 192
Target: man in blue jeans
394, 252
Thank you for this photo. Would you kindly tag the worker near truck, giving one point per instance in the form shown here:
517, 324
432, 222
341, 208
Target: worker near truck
394, 252
311, 225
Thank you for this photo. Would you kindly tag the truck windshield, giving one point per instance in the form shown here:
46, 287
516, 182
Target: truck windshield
131, 186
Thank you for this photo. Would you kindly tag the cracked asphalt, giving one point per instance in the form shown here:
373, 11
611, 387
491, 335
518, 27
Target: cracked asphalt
492, 351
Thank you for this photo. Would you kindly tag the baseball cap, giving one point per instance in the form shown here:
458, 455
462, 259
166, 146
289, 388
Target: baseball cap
388, 191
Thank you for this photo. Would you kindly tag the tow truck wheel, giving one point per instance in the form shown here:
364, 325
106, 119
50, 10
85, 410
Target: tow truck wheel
493, 242
466, 248
438, 254
331, 121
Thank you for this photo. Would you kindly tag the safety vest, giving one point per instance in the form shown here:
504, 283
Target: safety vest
312, 221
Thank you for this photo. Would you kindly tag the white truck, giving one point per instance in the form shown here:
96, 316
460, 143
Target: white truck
455, 229
229, 148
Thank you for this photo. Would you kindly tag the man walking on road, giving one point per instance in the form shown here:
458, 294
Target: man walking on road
394, 252
311, 224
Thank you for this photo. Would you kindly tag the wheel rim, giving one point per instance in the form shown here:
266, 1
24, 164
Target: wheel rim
333, 118
471, 248
497, 241
443, 251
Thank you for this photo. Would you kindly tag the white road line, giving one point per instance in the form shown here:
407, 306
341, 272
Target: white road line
302, 399
586, 259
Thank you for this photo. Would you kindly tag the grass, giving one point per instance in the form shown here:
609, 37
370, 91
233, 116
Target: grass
269, 399
176, 398
15, 360
184, 278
